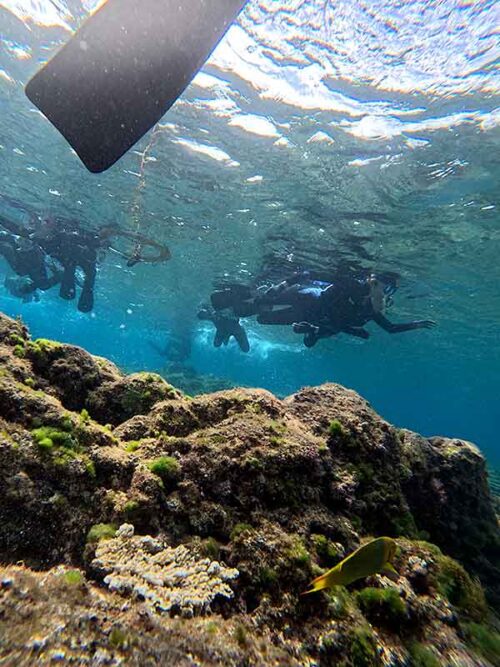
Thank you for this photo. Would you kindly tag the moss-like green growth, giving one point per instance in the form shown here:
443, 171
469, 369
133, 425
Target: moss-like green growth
276, 440
48, 437
267, 577
19, 351
132, 446
89, 466
464, 593
335, 429
238, 529
356, 522
382, 604
404, 526
131, 506
340, 602
240, 634
30, 382
363, 648
277, 428
211, 548
212, 628
166, 467
67, 423
142, 394
45, 444
101, 531
39, 349
297, 553
84, 417
15, 339
63, 447
254, 463
483, 640
73, 578
422, 656
118, 638
326, 551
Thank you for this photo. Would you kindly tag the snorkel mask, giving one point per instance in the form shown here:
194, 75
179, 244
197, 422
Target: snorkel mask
389, 290
381, 293
377, 298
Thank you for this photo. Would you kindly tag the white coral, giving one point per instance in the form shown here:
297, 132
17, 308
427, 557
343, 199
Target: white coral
167, 579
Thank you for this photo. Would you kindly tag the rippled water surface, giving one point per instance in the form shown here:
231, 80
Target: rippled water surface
319, 133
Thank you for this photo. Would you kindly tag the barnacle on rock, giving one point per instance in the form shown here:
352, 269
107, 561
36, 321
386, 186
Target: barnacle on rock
167, 579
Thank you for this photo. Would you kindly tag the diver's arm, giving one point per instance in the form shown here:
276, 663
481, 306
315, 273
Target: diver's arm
11, 227
359, 332
390, 327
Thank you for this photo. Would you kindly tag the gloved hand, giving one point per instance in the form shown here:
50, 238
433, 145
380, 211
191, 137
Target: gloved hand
425, 324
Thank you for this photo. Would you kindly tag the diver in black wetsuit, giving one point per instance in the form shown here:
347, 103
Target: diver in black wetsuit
320, 309
73, 247
346, 308
28, 261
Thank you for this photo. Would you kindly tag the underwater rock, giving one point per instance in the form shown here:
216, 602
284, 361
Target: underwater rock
12, 332
116, 401
279, 490
70, 370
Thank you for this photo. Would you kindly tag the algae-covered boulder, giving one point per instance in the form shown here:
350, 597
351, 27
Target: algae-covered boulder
116, 401
70, 370
12, 332
277, 490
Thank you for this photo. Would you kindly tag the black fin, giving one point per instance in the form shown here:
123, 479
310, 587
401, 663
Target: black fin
124, 69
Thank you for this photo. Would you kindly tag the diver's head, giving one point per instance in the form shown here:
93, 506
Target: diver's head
19, 286
47, 228
376, 293
382, 287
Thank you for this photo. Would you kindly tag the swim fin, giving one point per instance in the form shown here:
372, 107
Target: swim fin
86, 300
67, 288
124, 68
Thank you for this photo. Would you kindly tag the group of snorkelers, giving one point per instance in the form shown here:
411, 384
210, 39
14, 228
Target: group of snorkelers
53, 251
60, 252
314, 308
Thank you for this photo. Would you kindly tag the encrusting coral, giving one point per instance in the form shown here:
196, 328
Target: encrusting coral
237, 481
167, 579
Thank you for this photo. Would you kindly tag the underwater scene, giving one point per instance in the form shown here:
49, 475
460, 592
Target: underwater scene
250, 373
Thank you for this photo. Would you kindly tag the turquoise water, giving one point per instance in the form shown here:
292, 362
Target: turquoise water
319, 133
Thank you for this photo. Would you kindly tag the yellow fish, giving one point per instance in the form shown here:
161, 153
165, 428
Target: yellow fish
373, 557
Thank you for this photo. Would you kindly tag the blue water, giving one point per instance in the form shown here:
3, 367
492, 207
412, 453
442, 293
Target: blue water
317, 133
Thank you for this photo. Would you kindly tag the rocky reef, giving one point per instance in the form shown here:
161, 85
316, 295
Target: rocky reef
141, 526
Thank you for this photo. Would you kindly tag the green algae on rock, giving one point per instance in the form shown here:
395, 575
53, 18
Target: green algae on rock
261, 487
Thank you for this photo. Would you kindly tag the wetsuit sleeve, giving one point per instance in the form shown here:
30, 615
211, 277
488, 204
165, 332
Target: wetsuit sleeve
359, 332
11, 226
399, 328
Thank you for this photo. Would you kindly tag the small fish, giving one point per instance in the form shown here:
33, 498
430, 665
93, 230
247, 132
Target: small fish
376, 556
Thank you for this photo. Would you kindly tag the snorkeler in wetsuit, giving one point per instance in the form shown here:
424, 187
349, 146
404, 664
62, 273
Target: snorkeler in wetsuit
357, 302
28, 261
227, 325
21, 287
73, 247
320, 309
